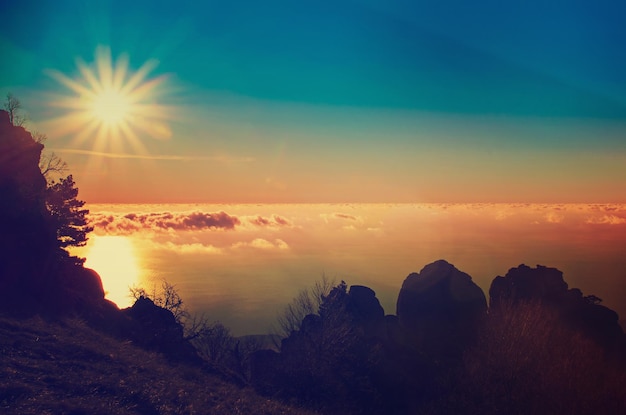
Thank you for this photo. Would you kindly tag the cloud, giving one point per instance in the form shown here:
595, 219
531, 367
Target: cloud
162, 221
340, 216
165, 157
503, 214
345, 216
263, 244
554, 217
606, 220
281, 221
192, 248
273, 221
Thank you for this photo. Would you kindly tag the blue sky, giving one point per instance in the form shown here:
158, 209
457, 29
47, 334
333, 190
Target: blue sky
537, 58
388, 78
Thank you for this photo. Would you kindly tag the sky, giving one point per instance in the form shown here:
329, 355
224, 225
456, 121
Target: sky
327, 101
242, 149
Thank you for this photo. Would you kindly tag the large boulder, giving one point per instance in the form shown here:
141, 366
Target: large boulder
366, 311
81, 288
439, 308
364, 304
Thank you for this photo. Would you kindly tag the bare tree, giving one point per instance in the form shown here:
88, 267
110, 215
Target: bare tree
13, 106
307, 302
168, 298
50, 164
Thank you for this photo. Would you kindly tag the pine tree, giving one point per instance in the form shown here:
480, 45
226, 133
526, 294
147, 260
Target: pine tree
67, 214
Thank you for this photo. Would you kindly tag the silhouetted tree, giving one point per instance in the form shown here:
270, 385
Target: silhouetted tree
330, 362
13, 105
67, 214
308, 301
50, 164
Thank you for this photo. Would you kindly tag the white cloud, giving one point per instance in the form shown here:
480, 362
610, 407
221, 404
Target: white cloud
260, 243
190, 248
606, 220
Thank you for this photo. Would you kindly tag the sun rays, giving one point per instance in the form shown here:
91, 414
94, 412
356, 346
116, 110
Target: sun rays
111, 106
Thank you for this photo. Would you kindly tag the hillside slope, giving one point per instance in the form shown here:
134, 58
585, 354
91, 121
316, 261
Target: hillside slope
68, 368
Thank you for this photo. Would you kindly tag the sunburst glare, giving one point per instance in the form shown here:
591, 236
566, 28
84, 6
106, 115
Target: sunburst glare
111, 105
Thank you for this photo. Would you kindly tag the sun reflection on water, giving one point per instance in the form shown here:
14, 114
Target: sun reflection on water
115, 260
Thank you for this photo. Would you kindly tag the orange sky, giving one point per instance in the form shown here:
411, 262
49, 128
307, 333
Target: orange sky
309, 173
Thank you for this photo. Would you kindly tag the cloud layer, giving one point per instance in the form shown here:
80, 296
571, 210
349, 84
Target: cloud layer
162, 221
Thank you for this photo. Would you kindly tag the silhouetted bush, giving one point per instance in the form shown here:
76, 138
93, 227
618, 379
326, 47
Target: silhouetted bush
334, 361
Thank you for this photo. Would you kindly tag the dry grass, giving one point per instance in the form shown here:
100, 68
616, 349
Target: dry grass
68, 368
527, 362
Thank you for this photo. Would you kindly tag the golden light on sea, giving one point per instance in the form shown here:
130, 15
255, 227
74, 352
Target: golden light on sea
114, 259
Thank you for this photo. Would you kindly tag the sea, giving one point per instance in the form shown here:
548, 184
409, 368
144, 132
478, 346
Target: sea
241, 264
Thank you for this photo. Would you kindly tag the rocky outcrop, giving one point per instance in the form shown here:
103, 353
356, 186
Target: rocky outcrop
523, 283
19, 165
546, 286
364, 305
36, 275
366, 312
439, 307
155, 328
26, 239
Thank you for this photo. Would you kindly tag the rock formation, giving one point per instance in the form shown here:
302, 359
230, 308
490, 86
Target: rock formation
524, 283
36, 275
25, 240
155, 328
439, 307
546, 286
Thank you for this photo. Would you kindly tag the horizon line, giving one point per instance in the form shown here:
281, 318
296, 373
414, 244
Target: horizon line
353, 203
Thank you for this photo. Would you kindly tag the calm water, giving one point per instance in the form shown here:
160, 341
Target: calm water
241, 264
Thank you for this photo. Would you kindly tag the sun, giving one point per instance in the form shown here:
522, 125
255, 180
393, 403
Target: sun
111, 106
